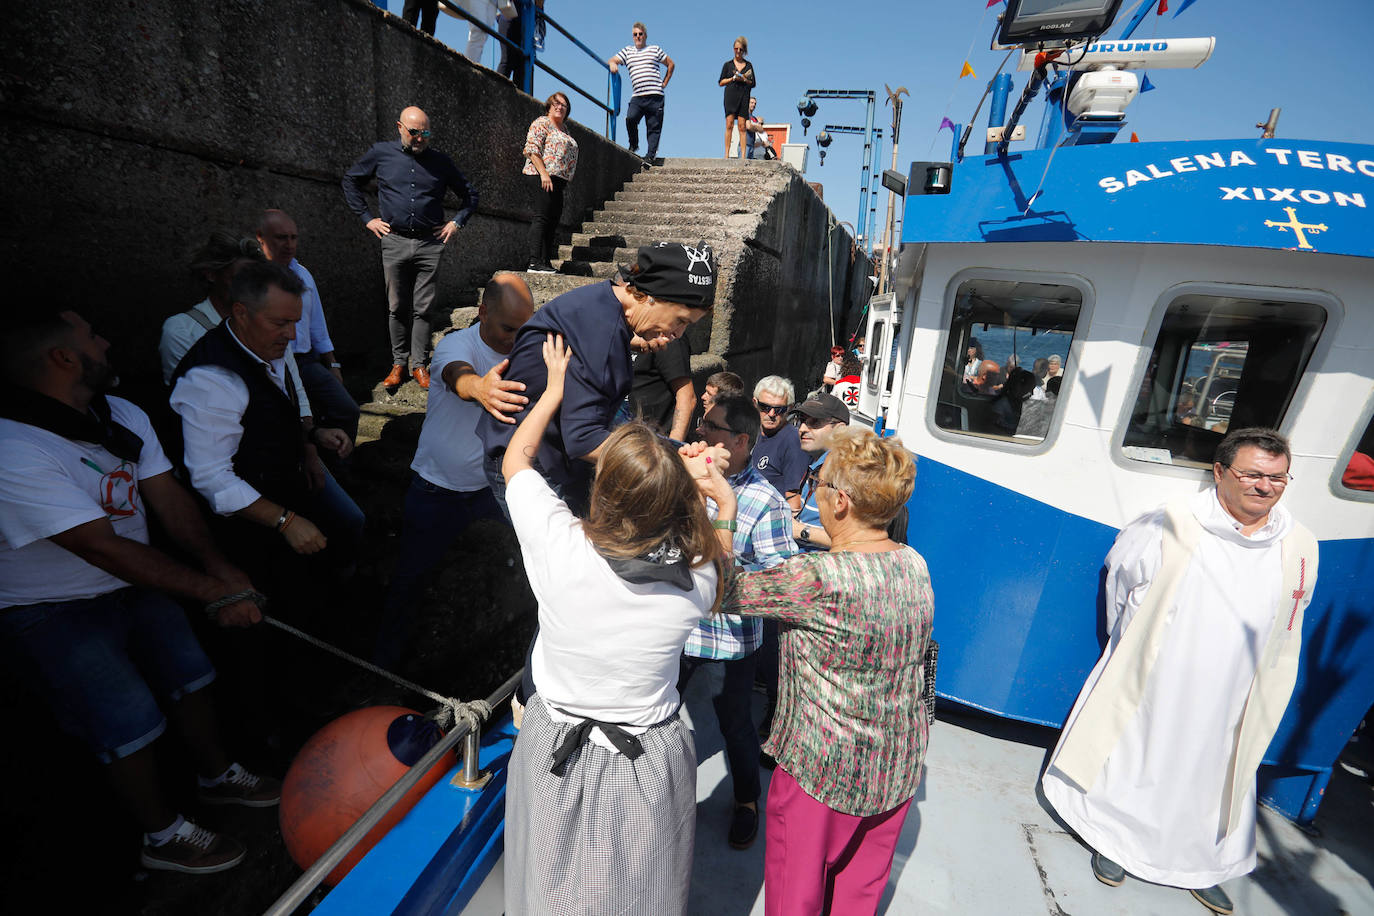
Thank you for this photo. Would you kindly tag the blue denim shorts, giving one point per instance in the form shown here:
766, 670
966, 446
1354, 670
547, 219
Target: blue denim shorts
101, 663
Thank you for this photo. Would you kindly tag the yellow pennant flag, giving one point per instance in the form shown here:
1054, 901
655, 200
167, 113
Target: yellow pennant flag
967, 71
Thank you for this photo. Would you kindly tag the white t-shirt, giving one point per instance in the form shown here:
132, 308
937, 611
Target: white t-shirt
449, 454
49, 485
607, 649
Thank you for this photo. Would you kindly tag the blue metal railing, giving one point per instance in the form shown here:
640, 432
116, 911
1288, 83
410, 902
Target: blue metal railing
530, 15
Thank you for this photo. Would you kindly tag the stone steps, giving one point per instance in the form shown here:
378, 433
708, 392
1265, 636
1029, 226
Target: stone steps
683, 200
690, 205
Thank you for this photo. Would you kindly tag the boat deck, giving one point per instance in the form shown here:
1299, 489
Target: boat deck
980, 840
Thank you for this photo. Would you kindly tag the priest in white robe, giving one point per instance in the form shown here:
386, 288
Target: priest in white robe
1155, 769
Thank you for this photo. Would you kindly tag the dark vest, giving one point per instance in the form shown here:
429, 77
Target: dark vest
271, 451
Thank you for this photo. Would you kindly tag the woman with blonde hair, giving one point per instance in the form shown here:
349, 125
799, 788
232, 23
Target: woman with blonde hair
601, 802
850, 729
737, 78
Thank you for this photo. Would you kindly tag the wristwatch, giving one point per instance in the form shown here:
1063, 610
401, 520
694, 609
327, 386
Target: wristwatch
338, 365
805, 533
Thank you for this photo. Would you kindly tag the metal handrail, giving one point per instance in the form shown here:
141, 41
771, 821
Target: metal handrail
612, 108
305, 885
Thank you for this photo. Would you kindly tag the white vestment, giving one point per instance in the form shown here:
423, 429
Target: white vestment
1159, 804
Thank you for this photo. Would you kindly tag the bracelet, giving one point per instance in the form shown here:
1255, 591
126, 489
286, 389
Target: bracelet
338, 365
287, 517
725, 524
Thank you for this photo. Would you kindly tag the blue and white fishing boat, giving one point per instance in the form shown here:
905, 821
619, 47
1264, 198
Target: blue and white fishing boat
1187, 287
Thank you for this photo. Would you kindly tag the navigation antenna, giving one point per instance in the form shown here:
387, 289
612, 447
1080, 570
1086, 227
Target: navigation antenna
1271, 126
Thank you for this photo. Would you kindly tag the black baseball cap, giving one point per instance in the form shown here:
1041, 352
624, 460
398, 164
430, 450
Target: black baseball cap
823, 407
685, 274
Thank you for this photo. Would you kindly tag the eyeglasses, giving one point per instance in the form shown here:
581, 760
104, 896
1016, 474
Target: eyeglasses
708, 426
1250, 478
417, 132
813, 476
772, 410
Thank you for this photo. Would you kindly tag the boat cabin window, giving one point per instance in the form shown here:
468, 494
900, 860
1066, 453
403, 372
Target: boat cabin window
1218, 363
874, 363
1007, 353
1359, 471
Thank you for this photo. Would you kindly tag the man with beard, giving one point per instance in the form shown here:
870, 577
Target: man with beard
412, 179
83, 614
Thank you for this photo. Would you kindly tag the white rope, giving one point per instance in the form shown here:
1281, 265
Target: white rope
450, 709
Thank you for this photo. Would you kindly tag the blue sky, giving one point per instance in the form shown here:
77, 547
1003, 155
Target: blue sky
1300, 55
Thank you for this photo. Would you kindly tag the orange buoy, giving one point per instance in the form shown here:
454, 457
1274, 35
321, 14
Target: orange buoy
342, 770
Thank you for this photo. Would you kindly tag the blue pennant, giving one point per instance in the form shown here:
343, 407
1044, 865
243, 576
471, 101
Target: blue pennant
1145, 84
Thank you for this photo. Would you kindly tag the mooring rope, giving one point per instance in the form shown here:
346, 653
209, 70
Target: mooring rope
450, 709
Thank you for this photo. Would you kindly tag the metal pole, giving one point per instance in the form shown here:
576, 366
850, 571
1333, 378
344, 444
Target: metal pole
997, 113
305, 885
528, 20
895, 97
868, 167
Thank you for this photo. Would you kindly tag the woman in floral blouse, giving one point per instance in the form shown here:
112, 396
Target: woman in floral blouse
551, 156
850, 729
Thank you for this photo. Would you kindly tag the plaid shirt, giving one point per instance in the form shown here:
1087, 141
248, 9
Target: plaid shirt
762, 540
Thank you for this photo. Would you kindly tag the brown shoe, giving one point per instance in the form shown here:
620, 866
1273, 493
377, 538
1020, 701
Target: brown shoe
393, 378
243, 788
421, 376
193, 850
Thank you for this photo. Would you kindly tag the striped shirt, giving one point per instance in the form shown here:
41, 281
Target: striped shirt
850, 724
645, 76
762, 540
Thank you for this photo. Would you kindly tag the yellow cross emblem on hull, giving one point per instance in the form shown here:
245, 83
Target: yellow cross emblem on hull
1299, 229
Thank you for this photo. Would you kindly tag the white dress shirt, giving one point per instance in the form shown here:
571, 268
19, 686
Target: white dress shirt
211, 401
181, 331
311, 331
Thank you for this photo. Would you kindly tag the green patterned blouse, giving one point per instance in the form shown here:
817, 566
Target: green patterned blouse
850, 724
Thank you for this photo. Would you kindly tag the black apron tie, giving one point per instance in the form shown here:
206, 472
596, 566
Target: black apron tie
624, 742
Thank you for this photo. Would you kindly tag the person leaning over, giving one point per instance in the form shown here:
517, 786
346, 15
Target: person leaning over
851, 729
412, 179
551, 157
601, 803
762, 539
83, 612
668, 288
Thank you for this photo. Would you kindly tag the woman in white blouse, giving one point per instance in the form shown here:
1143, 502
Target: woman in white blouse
602, 750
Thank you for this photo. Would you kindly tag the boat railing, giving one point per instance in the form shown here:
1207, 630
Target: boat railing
471, 776
529, 15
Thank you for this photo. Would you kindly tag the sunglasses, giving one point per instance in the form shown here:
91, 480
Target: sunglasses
417, 132
772, 410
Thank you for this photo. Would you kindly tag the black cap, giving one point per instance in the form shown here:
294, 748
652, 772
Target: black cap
823, 407
675, 272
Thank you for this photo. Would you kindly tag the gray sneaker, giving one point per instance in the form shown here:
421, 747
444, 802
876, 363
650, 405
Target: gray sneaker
1214, 898
1107, 871
193, 850
243, 788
